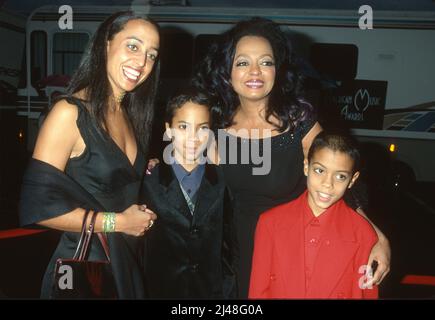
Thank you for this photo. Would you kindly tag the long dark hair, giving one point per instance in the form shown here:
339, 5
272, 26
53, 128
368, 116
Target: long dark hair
92, 76
214, 75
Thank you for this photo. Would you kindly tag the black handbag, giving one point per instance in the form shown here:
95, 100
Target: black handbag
79, 278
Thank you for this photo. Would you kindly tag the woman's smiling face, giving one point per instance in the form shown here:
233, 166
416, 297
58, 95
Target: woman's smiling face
253, 71
131, 55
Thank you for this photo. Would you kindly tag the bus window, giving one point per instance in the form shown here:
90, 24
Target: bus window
22, 81
38, 56
338, 61
67, 51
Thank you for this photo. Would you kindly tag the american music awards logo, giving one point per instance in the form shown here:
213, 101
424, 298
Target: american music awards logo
354, 106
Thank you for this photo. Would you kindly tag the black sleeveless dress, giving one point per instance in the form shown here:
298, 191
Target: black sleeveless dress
107, 174
254, 194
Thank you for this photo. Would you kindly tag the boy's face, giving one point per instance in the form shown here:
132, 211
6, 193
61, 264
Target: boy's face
329, 174
189, 131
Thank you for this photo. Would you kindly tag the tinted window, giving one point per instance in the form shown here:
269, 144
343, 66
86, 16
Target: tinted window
38, 56
68, 49
335, 60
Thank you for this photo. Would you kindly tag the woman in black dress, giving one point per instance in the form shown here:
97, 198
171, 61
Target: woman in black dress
90, 152
251, 74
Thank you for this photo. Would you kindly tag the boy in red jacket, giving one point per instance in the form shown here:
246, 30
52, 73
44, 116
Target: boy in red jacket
316, 247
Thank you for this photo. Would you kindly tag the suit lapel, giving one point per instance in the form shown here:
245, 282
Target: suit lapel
207, 193
338, 247
290, 246
173, 193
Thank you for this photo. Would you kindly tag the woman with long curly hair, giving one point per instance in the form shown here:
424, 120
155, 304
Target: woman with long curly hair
258, 102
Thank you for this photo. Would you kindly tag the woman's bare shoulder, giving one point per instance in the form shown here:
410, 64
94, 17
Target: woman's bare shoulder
63, 111
58, 134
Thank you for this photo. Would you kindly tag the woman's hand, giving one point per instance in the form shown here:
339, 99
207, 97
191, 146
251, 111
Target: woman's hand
135, 220
151, 164
381, 252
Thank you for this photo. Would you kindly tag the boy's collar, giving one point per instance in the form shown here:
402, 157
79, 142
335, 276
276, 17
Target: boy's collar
181, 167
181, 172
339, 228
167, 175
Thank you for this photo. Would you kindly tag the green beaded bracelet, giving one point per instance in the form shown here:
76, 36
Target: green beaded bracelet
109, 221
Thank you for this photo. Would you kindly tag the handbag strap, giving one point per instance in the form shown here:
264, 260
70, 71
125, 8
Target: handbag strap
104, 244
88, 237
82, 235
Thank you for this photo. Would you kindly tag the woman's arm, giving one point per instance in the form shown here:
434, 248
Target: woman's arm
381, 252
58, 140
133, 221
309, 137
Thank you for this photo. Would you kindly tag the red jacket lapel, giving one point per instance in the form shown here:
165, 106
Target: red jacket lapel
289, 244
338, 247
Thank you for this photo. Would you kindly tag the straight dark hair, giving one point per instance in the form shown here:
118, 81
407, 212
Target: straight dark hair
189, 94
336, 142
92, 76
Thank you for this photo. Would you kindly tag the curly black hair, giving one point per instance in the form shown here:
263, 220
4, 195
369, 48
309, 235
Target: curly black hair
213, 75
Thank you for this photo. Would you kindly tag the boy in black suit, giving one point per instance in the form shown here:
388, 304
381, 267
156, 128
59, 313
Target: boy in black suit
190, 250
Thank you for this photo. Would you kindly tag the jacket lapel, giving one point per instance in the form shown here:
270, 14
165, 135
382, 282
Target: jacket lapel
290, 245
207, 193
173, 193
338, 247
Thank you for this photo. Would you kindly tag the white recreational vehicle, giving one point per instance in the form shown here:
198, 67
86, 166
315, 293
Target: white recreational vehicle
388, 70
12, 35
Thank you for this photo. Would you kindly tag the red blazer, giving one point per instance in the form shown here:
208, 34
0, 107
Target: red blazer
278, 266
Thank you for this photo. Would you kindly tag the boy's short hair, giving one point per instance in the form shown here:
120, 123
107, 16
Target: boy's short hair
336, 142
191, 94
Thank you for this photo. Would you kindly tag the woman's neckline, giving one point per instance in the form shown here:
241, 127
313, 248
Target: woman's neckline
257, 139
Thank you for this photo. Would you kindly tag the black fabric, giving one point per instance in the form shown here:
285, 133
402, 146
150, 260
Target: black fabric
254, 194
101, 179
189, 256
